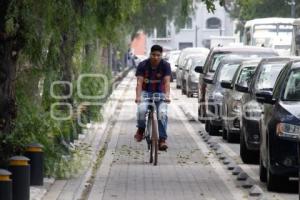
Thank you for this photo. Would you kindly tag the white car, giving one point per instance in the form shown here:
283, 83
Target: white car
172, 57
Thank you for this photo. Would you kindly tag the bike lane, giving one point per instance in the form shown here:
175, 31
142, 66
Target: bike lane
188, 170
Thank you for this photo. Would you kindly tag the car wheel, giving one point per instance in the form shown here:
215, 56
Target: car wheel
213, 130
275, 182
207, 126
224, 132
230, 137
262, 171
247, 155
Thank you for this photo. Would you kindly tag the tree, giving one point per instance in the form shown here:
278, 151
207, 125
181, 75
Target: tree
56, 40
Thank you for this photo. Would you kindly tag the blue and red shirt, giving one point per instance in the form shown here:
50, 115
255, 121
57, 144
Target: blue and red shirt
153, 77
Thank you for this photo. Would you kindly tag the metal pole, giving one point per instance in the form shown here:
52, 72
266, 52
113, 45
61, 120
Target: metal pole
196, 36
293, 8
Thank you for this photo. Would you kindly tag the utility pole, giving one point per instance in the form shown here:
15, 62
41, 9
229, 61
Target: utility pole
196, 36
293, 8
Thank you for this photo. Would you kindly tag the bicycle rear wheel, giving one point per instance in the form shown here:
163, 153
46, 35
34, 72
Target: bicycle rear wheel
149, 141
154, 138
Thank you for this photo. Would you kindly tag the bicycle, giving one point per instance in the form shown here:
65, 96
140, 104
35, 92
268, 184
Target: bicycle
151, 130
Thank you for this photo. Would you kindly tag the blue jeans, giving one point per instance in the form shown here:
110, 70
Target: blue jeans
161, 110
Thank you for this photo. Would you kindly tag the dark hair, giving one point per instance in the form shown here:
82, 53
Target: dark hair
156, 47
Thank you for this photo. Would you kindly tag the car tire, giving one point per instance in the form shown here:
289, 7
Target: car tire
207, 126
275, 182
262, 171
213, 130
224, 132
230, 137
247, 156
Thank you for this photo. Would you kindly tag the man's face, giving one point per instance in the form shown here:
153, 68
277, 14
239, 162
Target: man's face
155, 57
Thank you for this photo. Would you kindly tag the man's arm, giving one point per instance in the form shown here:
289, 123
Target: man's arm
138, 90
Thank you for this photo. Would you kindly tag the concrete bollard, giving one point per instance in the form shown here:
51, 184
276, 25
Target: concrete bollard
35, 153
5, 185
20, 169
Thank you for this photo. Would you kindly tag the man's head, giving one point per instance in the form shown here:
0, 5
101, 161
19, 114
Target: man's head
155, 55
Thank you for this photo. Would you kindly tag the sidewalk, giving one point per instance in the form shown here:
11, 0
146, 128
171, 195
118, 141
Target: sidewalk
187, 171
95, 136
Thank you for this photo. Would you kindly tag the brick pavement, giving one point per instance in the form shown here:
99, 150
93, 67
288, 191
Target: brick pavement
187, 171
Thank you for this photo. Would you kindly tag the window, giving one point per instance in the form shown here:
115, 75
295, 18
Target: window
162, 29
292, 90
183, 45
213, 23
188, 23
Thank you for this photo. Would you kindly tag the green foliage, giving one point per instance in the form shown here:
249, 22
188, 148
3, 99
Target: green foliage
60, 40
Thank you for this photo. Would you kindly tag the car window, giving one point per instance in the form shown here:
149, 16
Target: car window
254, 55
226, 72
216, 61
268, 75
292, 90
245, 76
280, 81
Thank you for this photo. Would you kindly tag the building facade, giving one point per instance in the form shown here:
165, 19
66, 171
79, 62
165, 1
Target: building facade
197, 32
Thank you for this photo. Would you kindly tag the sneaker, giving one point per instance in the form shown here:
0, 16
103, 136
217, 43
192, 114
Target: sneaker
162, 145
139, 134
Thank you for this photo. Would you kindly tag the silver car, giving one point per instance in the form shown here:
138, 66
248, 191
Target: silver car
190, 77
231, 107
182, 58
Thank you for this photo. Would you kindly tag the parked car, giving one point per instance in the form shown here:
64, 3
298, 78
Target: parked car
263, 80
231, 109
211, 63
280, 128
214, 96
172, 57
190, 77
181, 61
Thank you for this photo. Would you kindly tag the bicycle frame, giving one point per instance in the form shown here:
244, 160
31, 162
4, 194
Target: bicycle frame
151, 131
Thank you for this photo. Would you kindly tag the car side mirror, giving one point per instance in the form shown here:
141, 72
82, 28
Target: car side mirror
226, 84
242, 88
207, 80
265, 97
199, 69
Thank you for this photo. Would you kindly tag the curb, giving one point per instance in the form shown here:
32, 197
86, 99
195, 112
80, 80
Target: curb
243, 179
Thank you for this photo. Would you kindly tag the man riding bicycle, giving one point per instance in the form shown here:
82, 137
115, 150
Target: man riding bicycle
153, 81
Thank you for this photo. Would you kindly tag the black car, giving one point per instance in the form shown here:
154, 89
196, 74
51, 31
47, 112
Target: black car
231, 107
263, 80
280, 128
212, 61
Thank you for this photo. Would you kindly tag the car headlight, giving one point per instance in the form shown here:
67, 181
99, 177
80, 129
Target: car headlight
288, 130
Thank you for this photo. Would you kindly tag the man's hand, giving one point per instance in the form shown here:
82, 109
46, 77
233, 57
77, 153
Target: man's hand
138, 100
167, 100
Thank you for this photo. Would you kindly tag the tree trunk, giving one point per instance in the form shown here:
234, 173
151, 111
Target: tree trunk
9, 47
